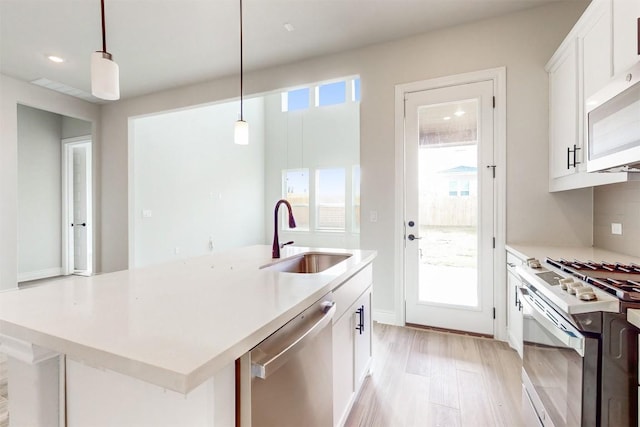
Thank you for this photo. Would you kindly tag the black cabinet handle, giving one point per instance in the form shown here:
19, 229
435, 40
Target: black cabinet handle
360, 326
83, 224
575, 159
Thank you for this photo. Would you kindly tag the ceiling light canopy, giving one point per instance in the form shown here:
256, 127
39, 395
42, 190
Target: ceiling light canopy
105, 73
241, 129
289, 27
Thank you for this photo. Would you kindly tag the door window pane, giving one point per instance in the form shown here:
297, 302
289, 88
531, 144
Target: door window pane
296, 191
448, 161
330, 199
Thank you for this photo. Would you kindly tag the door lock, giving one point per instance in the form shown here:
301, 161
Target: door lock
412, 237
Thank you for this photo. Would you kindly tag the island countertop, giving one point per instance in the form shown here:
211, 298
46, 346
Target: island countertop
174, 324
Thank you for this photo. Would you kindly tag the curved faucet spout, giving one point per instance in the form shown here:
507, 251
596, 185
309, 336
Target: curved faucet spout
275, 249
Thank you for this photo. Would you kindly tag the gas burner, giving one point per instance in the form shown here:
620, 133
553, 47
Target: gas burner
621, 280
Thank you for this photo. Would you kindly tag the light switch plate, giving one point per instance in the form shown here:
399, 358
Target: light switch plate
616, 228
146, 213
373, 216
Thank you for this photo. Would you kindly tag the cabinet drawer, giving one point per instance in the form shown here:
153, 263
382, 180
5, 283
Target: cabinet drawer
347, 293
513, 262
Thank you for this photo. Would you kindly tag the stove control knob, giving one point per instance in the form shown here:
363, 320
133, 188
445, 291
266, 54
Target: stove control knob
564, 283
573, 288
588, 296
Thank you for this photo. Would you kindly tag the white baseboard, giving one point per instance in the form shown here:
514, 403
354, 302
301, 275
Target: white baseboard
386, 317
40, 274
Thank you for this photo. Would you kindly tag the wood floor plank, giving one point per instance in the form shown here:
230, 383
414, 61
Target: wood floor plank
477, 379
443, 389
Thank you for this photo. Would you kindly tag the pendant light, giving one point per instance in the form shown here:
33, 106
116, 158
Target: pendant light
241, 129
105, 73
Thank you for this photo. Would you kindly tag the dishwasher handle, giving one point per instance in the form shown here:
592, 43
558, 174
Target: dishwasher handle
268, 363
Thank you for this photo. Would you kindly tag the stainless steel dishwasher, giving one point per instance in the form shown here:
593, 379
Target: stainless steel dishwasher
286, 380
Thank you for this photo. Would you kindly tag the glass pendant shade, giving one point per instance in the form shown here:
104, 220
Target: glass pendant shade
241, 133
105, 77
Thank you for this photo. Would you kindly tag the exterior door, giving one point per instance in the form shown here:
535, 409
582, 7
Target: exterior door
449, 207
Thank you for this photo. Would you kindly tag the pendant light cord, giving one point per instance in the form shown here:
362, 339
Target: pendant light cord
104, 36
241, 66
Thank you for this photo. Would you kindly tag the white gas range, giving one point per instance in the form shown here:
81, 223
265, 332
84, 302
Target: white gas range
553, 284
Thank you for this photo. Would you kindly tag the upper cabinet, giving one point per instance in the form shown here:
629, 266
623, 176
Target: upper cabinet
625, 34
602, 43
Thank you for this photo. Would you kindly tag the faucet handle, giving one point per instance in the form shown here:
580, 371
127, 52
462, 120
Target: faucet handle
291, 242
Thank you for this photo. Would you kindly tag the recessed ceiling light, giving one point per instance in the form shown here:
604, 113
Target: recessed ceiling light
459, 113
446, 118
289, 27
54, 58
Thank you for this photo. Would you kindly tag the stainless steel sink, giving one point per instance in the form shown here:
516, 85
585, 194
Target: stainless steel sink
310, 262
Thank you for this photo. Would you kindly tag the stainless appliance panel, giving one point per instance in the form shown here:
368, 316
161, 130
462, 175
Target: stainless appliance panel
554, 368
291, 372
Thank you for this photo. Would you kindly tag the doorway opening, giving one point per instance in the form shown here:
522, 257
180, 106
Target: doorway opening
77, 207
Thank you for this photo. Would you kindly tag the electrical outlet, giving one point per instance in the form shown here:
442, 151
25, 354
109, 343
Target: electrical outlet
616, 228
146, 213
373, 216
177, 250
211, 246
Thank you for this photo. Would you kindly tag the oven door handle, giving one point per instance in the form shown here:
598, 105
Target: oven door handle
571, 338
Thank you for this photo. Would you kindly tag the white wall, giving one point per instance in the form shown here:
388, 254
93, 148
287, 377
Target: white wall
522, 42
39, 193
196, 182
317, 137
12, 93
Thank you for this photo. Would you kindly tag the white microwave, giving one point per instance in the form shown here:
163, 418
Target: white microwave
613, 122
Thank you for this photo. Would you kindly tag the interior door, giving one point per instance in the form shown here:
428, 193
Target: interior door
78, 195
449, 207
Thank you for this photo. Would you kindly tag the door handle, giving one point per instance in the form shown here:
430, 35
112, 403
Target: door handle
412, 237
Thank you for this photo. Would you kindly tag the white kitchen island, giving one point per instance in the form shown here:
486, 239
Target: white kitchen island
150, 346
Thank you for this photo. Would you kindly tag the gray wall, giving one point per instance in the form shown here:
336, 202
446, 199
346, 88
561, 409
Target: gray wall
39, 193
14, 92
196, 182
72, 128
619, 203
522, 42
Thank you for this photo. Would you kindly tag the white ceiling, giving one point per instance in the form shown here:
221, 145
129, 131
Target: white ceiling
167, 43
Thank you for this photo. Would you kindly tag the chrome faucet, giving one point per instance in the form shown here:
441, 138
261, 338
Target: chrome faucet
275, 250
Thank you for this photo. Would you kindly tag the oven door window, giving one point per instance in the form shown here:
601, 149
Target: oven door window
555, 371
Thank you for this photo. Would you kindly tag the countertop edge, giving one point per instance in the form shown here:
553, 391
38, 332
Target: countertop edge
181, 382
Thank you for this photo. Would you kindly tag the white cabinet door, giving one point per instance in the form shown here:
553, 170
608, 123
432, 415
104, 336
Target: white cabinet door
625, 34
514, 304
564, 117
596, 49
362, 354
343, 349
515, 313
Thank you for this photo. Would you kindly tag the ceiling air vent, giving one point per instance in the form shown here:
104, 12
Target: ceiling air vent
66, 89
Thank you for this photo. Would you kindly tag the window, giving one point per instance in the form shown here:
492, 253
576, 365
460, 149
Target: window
459, 188
294, 100
296, 191
453, 188
331, 93
330, 199
355, 90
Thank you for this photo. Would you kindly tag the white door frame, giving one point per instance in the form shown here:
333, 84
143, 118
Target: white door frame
498, 76
68, 144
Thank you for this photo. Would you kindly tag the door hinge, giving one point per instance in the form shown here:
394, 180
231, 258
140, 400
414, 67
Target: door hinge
494, 312
494, 243
494, 102
493, 170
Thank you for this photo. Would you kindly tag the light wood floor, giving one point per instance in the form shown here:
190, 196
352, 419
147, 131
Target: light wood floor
424, 378
4, 410
428, 378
